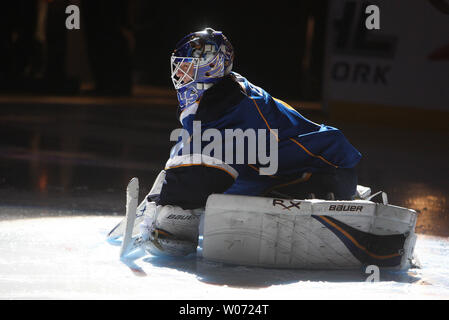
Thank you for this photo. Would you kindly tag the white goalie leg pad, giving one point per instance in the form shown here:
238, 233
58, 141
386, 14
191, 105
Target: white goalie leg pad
145, 207
148, 207
157, 184
170, 230
307, 234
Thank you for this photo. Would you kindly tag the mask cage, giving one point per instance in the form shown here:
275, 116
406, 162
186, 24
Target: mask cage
184, 70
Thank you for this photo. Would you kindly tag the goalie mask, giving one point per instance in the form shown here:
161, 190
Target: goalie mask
200, 59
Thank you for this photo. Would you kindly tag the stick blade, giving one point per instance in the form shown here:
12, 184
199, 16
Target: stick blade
132, 194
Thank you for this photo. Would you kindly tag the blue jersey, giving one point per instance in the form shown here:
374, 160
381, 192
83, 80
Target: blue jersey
302, 146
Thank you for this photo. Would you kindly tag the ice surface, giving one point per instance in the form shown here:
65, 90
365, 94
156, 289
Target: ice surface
68, 257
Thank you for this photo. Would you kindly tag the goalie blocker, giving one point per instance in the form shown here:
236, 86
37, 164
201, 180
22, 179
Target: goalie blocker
312, 234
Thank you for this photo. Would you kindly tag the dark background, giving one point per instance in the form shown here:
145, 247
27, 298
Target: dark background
83, 111
130, 42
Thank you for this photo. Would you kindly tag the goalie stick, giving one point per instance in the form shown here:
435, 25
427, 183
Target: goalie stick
132, 194
119, 229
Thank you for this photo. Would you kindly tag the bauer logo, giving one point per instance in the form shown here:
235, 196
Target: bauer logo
343, 207
287, 204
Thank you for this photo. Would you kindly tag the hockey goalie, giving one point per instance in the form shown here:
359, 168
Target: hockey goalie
286, 199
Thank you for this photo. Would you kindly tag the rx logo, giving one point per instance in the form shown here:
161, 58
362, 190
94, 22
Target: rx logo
280, 202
